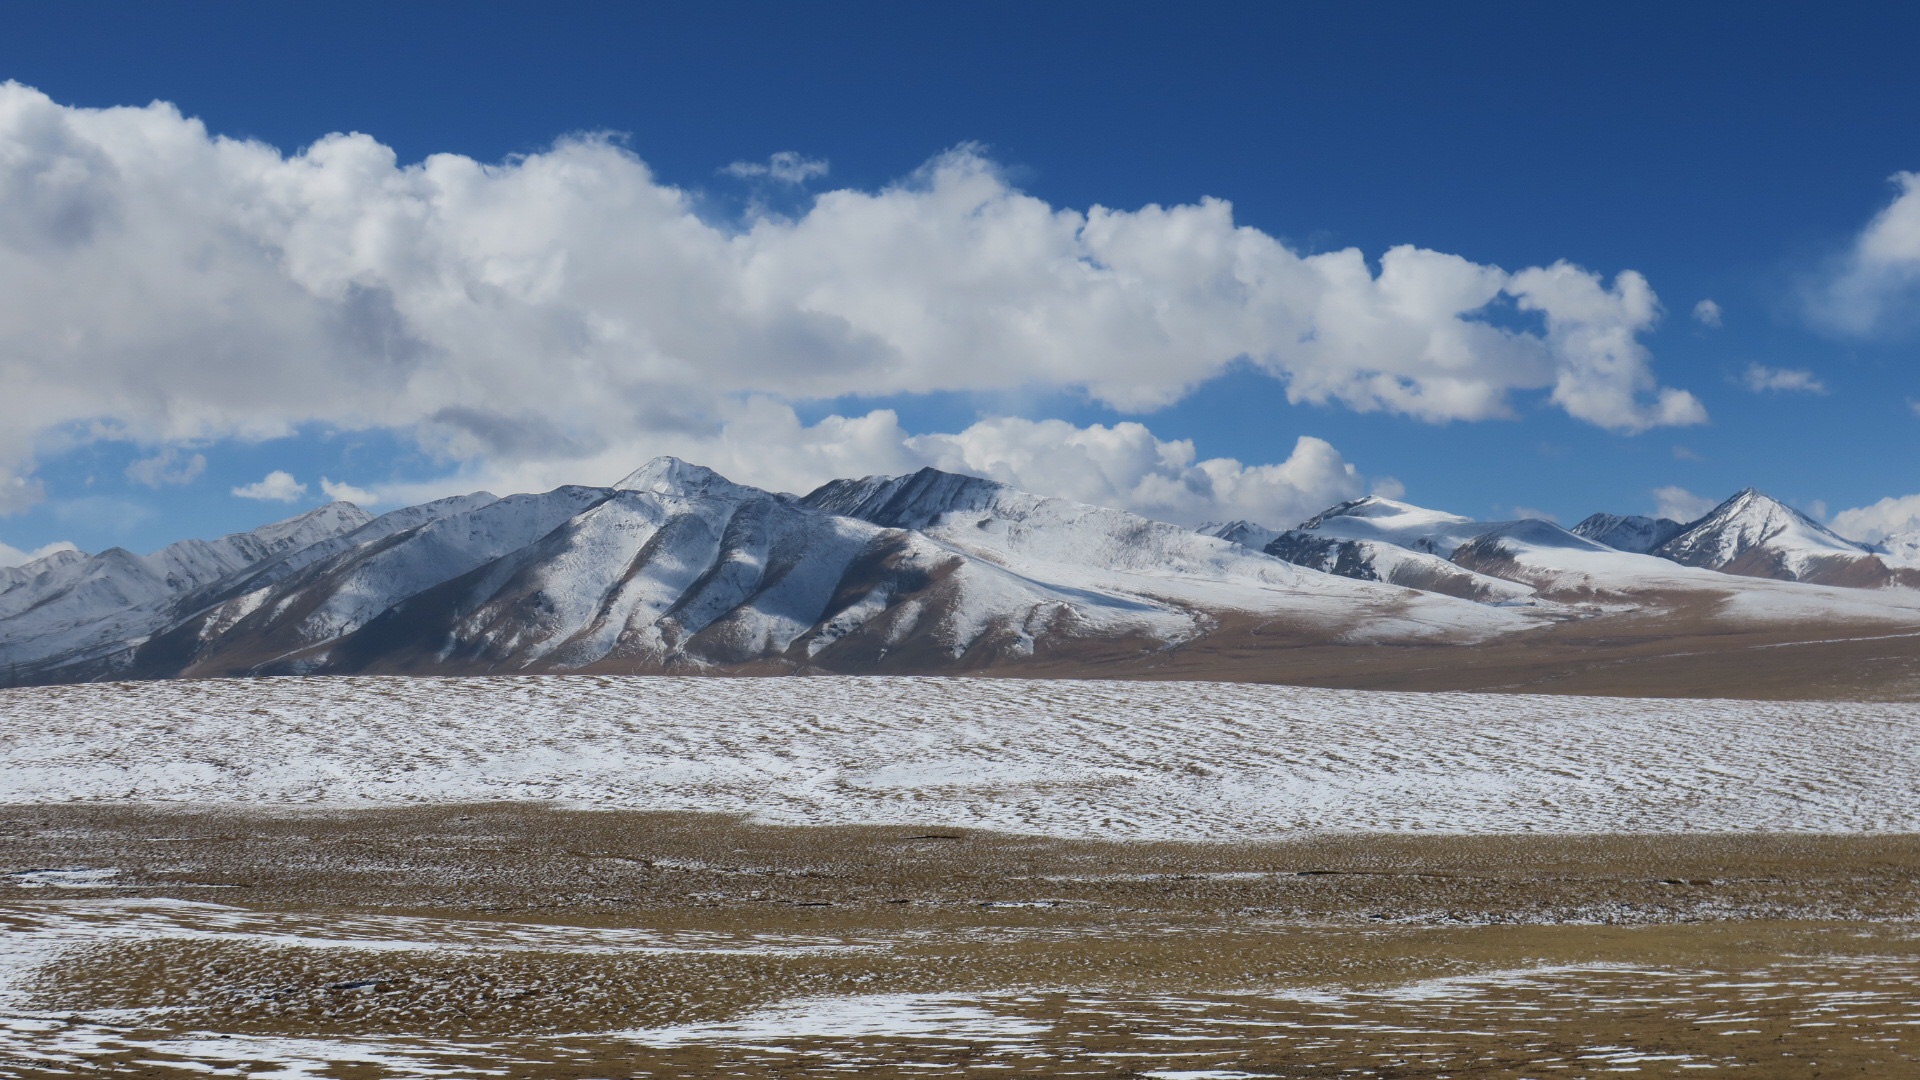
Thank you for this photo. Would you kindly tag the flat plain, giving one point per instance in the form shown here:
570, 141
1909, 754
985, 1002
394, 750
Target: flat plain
594, 877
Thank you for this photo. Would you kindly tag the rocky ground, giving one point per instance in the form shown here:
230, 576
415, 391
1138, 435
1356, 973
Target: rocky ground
516, 940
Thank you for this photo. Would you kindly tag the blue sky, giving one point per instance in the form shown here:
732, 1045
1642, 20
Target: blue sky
1732, 153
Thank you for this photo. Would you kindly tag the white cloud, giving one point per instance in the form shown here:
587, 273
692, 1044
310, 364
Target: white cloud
1874, 287
787, 167
278, 486
1603, 372
13, 556
1760, 378
1679, 504
763, 442
1874, 523
1523, 512
169, 466
1125, 465
543, 314
348, 493
1707, 313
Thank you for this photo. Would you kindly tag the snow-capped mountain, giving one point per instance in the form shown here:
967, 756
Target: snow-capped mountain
1538, 561
1379, 560
1628, 532
69, 608
1755, 535
1901, 550
1489, 561
678, 568
1242, 532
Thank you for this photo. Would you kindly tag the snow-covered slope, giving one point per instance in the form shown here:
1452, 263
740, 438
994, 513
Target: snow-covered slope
678, 568
1628, 532
1758, 536
77, 608
1245, 533
1490, 561
12, 577
1113, 552
1377, 560
1385, 539
1900, 551
1415, 528
1125, 760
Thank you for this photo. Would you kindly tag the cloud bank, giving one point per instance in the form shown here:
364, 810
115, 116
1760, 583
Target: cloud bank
566, 310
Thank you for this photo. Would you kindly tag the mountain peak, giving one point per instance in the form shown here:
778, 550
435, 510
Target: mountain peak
1751, 528
1243, 532
904, 502
1377, 507
1628, 532
666, 475
333, 519
1753, 508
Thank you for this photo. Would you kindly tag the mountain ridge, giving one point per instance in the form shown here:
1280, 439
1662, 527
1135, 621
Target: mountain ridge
676, 568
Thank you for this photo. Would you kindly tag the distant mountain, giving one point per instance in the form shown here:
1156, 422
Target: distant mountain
70, 608
1376, 539
1755, 535
1386, 540
1628, 532
1901, 550
1244, 533
676, 568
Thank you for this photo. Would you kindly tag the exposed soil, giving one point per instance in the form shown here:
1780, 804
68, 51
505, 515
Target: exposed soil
522, 941
1683, 654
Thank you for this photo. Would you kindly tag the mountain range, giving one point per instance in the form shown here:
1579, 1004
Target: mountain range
678, 569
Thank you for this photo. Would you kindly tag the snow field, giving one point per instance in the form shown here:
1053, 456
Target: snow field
1193, 761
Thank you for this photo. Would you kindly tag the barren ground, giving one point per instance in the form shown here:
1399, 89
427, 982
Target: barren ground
521, 941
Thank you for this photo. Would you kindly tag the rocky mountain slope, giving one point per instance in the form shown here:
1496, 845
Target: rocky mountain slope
1539, 563
1242, 532
1628, 532
1758, 536
72, 608
677, 568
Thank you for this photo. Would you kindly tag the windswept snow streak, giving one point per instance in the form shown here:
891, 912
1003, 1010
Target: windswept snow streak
1096, 759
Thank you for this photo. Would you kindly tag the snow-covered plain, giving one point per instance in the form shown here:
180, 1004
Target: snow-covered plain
1198, 761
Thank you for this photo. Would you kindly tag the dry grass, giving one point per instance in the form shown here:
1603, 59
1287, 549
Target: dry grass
517, 941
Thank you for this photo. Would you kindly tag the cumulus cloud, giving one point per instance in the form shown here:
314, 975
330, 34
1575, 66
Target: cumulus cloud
1707, 313
1603, 374
13, 556
1760, 379
1679, 504
1873, 287
277, 486
170, 466
540, 315
1874, 523
347, 493
1125, 465
786, 167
